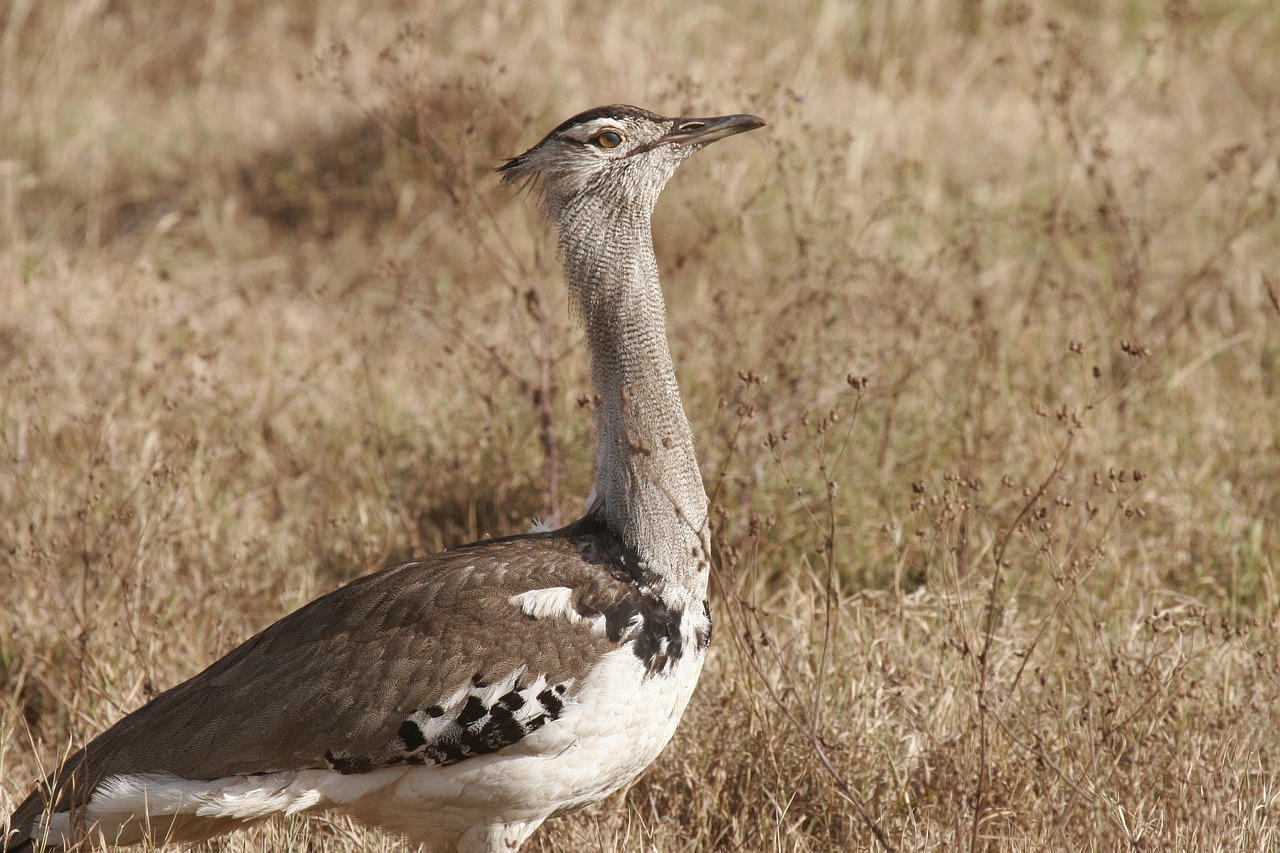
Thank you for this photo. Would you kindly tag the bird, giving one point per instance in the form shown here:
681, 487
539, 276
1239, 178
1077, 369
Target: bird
463, 698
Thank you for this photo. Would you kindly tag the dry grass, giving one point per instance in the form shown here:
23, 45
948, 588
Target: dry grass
267, 323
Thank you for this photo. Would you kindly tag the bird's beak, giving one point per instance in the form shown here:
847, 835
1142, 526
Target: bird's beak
704, 131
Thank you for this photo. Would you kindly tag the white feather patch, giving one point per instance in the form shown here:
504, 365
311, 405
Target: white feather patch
239, 797
555, 602
546, 603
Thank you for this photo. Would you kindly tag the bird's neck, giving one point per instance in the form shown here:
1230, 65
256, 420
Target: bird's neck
648, 485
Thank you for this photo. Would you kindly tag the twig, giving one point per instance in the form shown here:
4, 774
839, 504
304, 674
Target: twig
544, 397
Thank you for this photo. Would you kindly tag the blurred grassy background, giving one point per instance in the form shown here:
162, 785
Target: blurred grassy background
268, 323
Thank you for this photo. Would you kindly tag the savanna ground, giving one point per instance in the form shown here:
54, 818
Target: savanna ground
980, 339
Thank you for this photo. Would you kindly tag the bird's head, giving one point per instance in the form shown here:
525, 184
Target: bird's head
620, 155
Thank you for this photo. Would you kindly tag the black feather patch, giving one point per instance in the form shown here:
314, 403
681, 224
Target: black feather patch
551, 702
427, 736
411, 736
633, 612
348, 765
472, 711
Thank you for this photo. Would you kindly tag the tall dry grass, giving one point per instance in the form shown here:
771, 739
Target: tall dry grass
980, 339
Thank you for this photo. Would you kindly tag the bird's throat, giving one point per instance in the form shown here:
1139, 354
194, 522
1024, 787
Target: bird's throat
648, 485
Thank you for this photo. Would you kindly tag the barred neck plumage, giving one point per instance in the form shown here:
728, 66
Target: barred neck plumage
648, 485
599, 176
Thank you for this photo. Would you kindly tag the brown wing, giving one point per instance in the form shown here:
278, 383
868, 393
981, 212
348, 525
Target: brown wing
334, 683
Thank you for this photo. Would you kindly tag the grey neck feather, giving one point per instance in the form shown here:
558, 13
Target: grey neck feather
648, 486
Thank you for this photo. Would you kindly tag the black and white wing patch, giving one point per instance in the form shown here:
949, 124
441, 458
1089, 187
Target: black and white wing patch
479, 720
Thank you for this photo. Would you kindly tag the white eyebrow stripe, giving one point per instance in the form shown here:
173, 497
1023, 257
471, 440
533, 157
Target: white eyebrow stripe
584, 132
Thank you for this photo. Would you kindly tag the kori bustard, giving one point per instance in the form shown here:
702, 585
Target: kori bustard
463, 698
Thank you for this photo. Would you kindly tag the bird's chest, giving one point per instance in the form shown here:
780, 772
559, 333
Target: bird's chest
624, 715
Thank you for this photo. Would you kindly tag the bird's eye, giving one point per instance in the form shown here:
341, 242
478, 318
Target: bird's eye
608, 139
